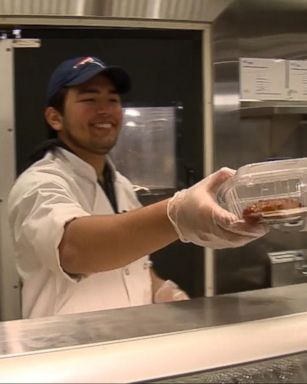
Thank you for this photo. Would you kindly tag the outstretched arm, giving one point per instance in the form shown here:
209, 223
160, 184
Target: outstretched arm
104, 242
100, 243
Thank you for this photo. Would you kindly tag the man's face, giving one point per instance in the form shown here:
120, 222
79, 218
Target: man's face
92, 117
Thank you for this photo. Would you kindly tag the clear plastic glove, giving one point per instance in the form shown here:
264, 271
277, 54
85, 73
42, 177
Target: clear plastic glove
197, 217
169, 291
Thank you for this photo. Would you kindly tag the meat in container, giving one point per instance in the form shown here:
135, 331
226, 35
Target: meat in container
272, 191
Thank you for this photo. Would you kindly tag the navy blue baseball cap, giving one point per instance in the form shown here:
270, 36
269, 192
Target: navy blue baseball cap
81, 69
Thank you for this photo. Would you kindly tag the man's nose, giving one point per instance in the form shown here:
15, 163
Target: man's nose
103, 107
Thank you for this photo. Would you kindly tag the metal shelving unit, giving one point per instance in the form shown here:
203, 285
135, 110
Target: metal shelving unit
269, 108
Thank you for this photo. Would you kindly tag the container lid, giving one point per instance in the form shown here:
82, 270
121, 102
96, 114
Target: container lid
275, 169
268, 171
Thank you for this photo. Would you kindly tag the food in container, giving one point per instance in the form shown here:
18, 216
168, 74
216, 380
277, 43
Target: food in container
271, 191
270, 205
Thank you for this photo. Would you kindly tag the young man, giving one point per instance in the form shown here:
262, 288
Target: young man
74, 253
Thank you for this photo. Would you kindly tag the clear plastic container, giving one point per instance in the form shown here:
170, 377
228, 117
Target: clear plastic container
272, 191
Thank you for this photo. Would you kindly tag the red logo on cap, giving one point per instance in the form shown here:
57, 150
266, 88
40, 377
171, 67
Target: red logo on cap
84, 61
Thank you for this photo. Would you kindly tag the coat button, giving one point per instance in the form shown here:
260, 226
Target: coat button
148, 264
127, 272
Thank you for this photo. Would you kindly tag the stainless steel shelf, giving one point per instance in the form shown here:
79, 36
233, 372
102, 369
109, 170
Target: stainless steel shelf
269, 108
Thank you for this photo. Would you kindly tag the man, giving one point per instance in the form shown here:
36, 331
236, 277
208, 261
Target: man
74, 253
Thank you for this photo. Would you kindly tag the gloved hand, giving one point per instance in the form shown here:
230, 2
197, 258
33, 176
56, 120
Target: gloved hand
197, 217
169, 291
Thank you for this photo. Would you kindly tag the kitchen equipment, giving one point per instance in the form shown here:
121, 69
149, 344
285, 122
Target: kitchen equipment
274, 192
288, 267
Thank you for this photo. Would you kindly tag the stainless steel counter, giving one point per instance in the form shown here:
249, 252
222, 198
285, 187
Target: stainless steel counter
175, 328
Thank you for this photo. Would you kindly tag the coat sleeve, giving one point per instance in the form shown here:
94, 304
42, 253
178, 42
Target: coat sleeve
38, 210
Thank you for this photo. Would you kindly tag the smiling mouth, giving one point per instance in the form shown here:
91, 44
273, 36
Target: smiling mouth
103, 125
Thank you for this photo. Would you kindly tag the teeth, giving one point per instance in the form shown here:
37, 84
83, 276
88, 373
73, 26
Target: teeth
103, 125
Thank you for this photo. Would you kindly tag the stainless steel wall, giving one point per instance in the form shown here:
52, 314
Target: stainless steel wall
179, 10
266, 29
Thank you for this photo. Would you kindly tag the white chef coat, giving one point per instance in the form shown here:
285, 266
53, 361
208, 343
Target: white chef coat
44, 198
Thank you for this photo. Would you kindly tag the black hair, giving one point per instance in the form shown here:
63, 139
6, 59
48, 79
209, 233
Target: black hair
57, 101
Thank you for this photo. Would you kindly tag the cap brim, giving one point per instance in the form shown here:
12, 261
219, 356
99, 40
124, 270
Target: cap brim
117, 75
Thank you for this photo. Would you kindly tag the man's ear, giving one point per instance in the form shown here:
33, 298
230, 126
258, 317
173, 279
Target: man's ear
54, 118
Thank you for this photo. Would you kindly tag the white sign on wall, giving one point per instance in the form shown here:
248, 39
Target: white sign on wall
263, 79
297, 72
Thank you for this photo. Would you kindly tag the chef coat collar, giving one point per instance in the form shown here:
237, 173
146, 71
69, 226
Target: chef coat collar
83, 168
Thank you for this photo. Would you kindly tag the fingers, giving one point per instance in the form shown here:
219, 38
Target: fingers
229, 239
169, 291
228, 170
218, 178
179, 295
198, 218
246, 229
222, 217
